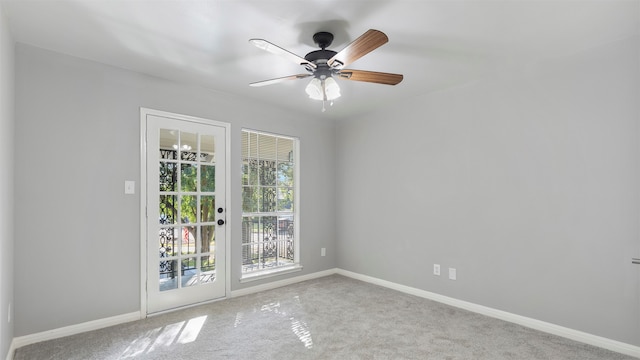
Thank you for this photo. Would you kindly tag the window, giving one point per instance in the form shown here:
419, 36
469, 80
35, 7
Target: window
269, 211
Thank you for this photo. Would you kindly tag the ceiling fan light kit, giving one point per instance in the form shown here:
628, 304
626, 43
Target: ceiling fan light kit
327, 65
326, 89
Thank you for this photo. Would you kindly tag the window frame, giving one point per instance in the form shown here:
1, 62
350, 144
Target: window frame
247, 276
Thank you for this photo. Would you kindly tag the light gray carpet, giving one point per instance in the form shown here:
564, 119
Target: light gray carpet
329, 318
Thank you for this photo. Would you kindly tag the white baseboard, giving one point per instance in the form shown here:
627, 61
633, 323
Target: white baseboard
12, 349
21, 341
281, 283
572, 334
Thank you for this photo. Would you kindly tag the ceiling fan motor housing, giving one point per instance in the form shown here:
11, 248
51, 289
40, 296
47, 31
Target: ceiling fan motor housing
319, 57
314, 56
323, 39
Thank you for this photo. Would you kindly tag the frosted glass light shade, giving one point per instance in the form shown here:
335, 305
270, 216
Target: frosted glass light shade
317, 89
314, 89
331, 88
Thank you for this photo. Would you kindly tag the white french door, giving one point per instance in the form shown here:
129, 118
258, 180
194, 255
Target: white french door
185, 210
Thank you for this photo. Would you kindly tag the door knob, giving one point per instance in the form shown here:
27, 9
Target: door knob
220, 222
220, 210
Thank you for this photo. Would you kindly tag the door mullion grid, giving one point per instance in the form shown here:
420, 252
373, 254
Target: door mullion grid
160, 296
179, 210
198, 209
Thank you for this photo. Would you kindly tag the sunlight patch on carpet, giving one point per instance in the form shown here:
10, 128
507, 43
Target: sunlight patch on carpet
191, 330
301, 329
160, 339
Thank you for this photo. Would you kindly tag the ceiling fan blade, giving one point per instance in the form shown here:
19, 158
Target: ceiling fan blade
366, 43
275, 49
279, 80
370, 76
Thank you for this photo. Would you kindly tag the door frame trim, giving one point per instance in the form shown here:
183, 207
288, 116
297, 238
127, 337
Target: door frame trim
144, 112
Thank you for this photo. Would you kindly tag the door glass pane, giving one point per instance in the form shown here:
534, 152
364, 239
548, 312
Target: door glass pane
207, 208
207, 178
188, 177
168, 177
208, 238
167, 242
189, 272
207, 149
188, 146
168, 275
207, 269
168, 209
189, 236
188, 209
168, 144
167, 265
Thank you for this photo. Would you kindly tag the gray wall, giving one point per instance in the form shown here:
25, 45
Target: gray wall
77, 140
7, 120
526, 181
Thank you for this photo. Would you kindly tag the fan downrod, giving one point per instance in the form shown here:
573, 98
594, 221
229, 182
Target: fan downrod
323, 39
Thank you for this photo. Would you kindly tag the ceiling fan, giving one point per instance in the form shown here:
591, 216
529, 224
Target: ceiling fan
325, 65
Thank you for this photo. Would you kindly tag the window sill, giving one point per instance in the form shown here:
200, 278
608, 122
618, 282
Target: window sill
259, 275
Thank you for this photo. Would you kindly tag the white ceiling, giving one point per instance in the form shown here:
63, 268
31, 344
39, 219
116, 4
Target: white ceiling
435, 44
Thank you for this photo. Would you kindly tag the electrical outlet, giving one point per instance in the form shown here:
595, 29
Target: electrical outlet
452, 274
323, 252
436, 269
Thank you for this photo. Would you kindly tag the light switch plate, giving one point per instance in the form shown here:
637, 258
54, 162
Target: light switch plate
129, 187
